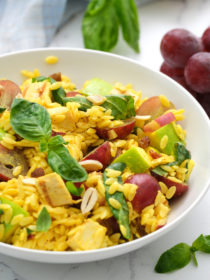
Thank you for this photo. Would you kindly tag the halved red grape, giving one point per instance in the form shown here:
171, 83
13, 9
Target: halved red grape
146, 192
197, 72
178, 45
8, 91
206, 39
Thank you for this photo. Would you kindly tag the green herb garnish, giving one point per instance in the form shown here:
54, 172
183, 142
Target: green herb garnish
32, 122
84, 103
65, 165
43, 78
122, 214
73, 189
43, 222
180, 255
122, 106
101, 22
2, 109
159, 171
180, 152
174, 258
128, 18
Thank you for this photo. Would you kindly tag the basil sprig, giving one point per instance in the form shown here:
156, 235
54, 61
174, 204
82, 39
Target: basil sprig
180, 152
181, 254
101, 22
122, 106
2, 109
73, 189
32, 122
65, 165
122, 214
43, 222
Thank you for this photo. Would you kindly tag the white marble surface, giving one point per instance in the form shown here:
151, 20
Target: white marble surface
156, 19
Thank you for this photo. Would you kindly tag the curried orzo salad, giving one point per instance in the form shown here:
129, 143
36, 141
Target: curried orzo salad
86, 168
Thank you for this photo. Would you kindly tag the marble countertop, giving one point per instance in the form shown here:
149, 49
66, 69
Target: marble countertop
156, 18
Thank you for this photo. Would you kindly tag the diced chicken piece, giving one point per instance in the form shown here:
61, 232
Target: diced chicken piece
88, 236
53, 190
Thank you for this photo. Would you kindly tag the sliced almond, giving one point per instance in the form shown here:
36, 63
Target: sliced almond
29, 181
96, 99
143, 118
91, 165
89, 200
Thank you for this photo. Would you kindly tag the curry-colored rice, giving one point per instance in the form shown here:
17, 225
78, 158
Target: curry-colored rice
79, 128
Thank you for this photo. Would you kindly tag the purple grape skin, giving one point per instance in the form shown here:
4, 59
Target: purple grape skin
197, 72
206, 39
204, 100
172, 72
178, 45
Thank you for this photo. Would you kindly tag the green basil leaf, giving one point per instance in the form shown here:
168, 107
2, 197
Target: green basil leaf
100, 25
119, 166
84, 103
43, 145
56, 141
202, 243
97, 86
43, 78
30, 120
158, 170
73, 189
44, 220
180, 152
2, 109
122, 214
1, 211
58, 95
122, 107
172, 163
175, 258
65, 165
128, 18
95, 6
29, 231
130, 107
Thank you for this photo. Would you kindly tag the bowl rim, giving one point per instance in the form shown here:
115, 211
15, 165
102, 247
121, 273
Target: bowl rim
116, 249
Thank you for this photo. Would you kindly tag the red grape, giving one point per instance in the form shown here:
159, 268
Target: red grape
146, 192
174, 73
204, 100
206, 39
197, 72
178, 45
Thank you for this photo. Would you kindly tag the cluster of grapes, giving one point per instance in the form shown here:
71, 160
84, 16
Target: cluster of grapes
187, 61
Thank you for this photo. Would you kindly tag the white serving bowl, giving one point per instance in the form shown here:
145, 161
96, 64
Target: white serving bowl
80, 65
